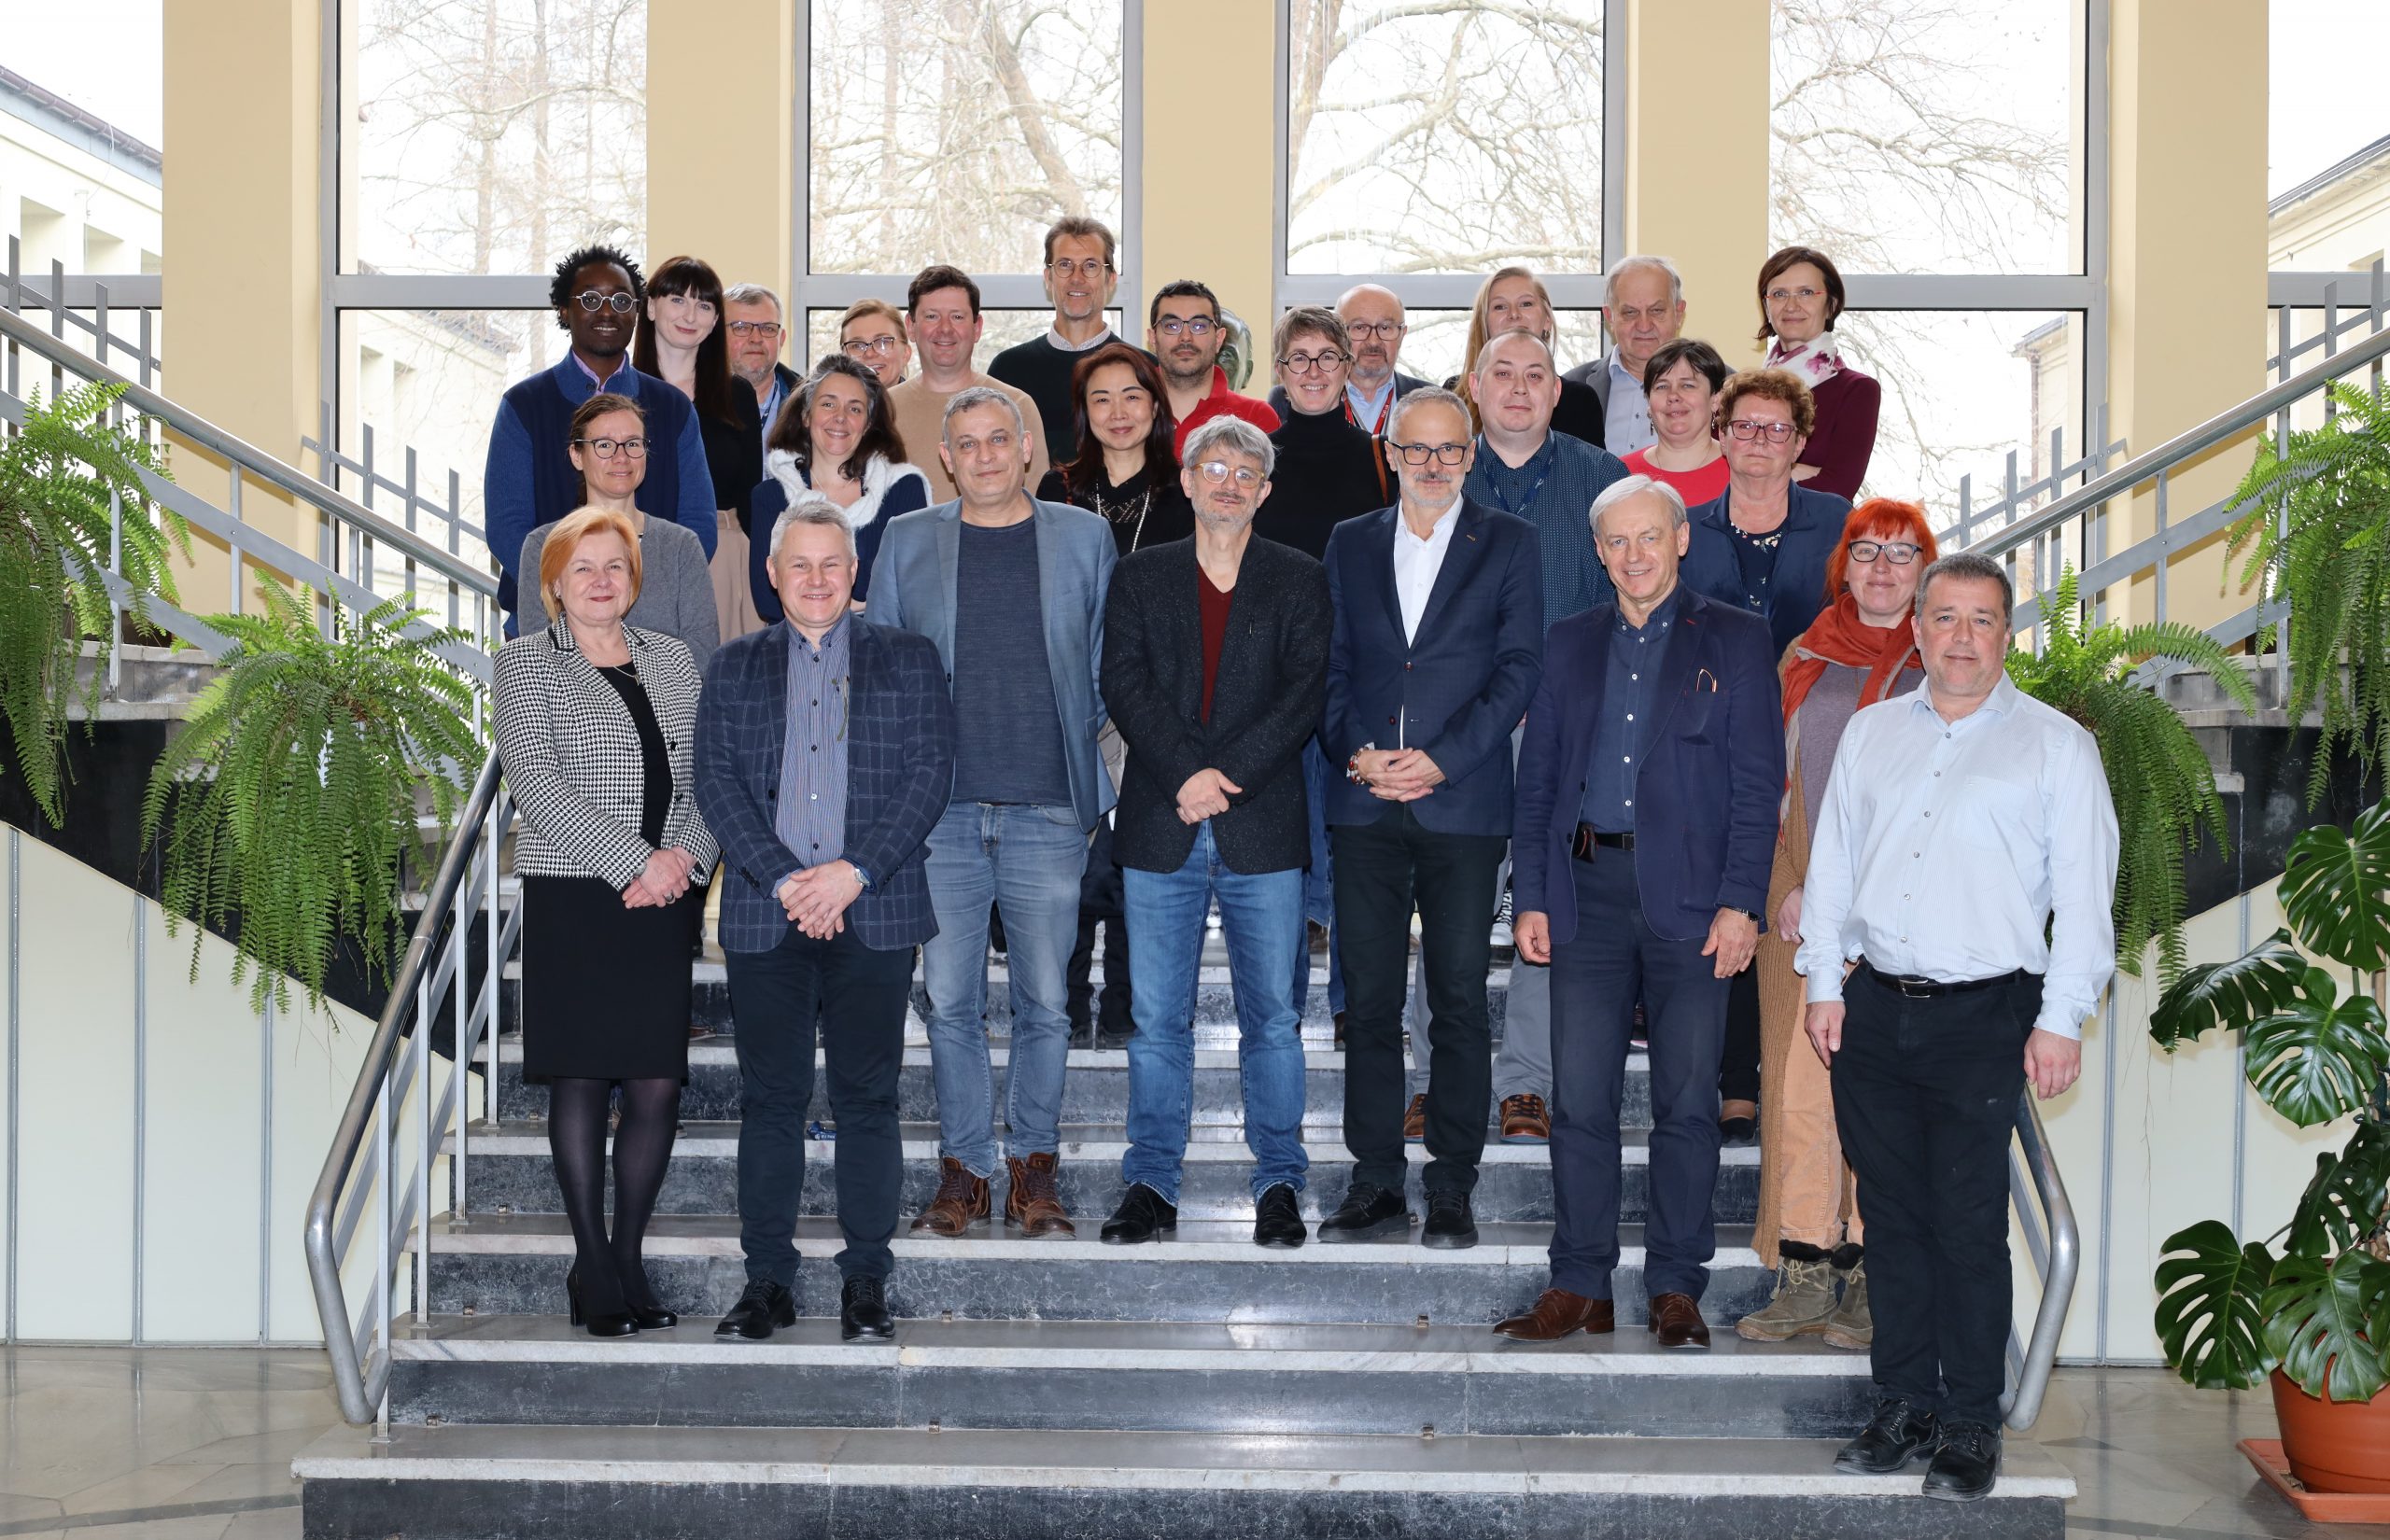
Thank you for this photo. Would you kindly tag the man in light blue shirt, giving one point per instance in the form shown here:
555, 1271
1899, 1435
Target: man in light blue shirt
1960, 822
1643, 309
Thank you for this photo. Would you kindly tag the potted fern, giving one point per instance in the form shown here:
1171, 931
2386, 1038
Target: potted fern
60, 474
2315, 1319
2160, 779
289, 797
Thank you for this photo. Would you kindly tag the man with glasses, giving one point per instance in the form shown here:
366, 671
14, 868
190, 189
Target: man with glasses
1184, 334
1373, 328
1643, 308
750, 315
1012, 590
528, 479
1215, 667
1081, 279
872, 333
1437, 647
942, 308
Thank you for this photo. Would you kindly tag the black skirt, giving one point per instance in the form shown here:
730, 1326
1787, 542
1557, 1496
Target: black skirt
605, 989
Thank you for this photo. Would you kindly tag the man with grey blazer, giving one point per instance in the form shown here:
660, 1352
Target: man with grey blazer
1012, 591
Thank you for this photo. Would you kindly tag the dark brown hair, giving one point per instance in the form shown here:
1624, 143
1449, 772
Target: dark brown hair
589, 411
1162, 453
1685, 350
1793, 256
937, 275
695, 277
791, 431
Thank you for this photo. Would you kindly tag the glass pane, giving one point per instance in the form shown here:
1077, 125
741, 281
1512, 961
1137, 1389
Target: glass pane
1927, 139
493, 135
959, 128
2326, 148
79, 138
1404, 127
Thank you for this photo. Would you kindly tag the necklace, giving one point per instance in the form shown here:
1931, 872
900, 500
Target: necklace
1127, 512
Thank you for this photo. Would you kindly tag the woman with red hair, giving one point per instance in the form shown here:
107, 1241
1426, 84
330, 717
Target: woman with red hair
1861, 650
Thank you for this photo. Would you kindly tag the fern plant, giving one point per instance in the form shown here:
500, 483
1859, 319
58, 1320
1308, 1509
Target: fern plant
290, 793
2317, 525
58, 474
2160, 780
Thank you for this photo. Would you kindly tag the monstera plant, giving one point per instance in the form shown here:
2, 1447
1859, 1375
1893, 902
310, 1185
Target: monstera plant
2231, 1313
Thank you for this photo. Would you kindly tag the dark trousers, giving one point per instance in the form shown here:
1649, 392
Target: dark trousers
858, 995
1101, 905
1925, 1095
1738, 1067
1612, 960
1383, 870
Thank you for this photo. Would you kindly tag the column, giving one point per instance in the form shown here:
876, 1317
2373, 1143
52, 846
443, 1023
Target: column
1210, 141
720, 136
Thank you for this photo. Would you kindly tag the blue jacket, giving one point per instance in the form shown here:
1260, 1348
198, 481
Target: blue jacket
900, 764
1812, 528
528, 479
1707, 798
905, 491
1458, 691
912, 586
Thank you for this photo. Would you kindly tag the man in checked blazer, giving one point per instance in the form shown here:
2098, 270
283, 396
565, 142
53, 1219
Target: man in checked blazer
1215, 666
825, 746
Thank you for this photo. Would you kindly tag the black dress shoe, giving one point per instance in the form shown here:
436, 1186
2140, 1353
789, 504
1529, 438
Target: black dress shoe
1083, 1034
1277, 1220
1966, 1465
1368, 1212
1144, 1215
1111, 1037
764, 1306
1450, 1228
653, 1318
863, 1310
1738, 1133
1897, 1434
602, 1323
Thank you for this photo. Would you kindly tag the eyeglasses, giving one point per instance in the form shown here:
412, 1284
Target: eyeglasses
1217, 471
1198, 328
1898, 553
607, 449
863, 347
1806, 296
1422, 454
1369, 332
1304, 363
1746, 430
766, 329
1094, 267
619, 301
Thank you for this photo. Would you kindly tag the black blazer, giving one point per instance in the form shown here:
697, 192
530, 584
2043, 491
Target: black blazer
1266, 702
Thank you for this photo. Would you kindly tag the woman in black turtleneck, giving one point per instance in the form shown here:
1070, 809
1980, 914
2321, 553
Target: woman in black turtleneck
1125, 470
1329, 469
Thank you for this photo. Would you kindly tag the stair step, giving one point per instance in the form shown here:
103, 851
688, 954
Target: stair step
1146, 1377
500, 1265
701, 1483
511, 1170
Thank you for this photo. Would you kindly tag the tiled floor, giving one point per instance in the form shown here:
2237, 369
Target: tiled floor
195, 1444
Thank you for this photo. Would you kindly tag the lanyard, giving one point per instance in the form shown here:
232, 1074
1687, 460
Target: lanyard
1542, 463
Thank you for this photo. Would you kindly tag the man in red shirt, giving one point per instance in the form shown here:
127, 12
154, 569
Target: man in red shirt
1184, 333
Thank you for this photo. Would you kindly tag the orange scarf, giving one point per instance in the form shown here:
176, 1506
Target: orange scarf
1839, 636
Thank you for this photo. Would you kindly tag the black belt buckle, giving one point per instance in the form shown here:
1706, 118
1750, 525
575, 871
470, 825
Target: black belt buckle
1912, 988
1588, 838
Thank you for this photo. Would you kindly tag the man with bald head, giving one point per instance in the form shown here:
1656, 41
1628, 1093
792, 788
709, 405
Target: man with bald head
1373, 322
1657, 726
1643, 310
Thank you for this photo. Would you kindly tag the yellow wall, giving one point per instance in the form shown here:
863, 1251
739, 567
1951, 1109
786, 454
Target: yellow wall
721, 145
1210, 137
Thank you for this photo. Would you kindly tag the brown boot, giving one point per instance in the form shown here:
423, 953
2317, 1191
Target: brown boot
1031, 1205
961, 1204
1526, 1119
1415, 1120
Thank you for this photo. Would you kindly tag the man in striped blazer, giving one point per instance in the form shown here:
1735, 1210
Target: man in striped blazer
825, 750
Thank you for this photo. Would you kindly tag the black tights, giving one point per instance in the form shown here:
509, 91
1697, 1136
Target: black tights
613, 1276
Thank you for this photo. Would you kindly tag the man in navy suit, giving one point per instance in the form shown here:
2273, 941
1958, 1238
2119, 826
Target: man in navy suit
825, 746
1658, 729
1436, 646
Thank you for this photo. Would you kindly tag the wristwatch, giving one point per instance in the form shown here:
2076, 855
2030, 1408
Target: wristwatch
862, 876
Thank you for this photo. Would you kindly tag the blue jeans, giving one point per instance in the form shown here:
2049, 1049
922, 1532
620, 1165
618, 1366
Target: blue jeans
1320, 897
1261, 920
1028, 861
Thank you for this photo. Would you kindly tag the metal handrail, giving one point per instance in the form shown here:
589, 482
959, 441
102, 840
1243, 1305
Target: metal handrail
362, 1381
2056, 1247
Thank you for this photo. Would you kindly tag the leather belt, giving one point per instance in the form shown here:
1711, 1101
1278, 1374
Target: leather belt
1916, 987
1587, 837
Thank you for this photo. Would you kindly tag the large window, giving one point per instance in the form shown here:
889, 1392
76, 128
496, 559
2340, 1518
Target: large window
2328, 199
492, 135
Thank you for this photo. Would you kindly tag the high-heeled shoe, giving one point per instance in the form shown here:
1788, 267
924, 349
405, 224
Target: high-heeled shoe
651, 1316
609, 1324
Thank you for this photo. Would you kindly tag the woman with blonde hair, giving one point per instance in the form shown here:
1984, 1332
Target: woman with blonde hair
1514, 299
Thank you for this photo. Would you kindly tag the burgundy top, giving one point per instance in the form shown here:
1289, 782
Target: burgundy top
1214, 607
1844, 440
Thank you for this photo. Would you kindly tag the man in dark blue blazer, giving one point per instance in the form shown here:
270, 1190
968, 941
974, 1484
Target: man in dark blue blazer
825, 748
1437, 642
1649, 780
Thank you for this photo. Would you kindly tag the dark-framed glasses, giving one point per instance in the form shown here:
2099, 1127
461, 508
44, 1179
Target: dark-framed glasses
1422, 454
1747, 430
606, 449
1898, 553
1197, 327
1369, 331
865, 347
768, 331
1304, 363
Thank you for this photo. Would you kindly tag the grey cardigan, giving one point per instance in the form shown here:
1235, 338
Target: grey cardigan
675, 589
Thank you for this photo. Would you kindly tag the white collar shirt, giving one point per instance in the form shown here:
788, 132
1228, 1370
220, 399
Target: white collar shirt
1944, 850
1416, 562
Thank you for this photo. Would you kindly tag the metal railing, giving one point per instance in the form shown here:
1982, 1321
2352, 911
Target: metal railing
2055, 1244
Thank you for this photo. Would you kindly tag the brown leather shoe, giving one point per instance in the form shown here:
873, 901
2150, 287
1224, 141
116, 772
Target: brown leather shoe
961, 1203
1031, 1204
1526, 1120
1555, 1313
1676, 1321
1415, 1120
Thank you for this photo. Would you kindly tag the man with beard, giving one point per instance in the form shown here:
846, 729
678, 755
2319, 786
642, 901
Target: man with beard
1184, 333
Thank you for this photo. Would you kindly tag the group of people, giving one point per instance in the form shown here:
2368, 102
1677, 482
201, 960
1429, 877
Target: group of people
1093, 642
